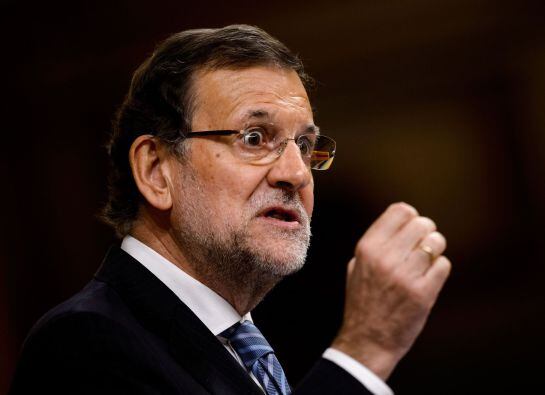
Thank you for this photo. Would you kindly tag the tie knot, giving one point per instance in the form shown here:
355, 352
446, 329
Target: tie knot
248, 342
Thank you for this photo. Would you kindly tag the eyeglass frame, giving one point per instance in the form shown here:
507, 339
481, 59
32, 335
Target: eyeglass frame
283, 143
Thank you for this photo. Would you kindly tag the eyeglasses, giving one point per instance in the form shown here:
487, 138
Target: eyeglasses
256, 145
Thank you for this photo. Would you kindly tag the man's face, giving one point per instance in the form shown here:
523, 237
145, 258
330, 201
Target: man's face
259, 214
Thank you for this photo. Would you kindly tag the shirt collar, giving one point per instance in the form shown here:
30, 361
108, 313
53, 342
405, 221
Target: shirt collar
214, 311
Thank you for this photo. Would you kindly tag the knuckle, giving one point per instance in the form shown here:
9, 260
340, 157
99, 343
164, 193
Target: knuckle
384, 263
365, 250
404, 209
398, 282
401, 280
361, 246
423, 224
418, 295
440, 240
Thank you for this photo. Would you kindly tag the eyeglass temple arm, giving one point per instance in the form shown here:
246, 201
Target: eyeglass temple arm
211, 133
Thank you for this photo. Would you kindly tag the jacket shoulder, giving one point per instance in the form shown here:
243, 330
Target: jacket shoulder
94, 300
87, 344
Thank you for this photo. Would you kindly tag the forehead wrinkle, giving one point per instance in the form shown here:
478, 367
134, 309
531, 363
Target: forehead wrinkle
261, 97
265, 107
295, 103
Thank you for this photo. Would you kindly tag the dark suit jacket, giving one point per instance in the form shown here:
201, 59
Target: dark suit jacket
127, 333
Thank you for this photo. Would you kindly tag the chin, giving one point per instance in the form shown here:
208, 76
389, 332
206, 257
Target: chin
282, 257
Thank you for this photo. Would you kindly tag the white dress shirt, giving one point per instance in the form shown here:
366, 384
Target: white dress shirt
217, 314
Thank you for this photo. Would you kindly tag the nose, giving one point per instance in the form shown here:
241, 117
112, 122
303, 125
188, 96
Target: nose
289, 171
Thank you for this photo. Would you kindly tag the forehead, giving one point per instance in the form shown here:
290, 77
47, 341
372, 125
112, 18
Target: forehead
232, 95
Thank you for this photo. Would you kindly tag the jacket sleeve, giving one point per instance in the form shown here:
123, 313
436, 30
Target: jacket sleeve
327, 377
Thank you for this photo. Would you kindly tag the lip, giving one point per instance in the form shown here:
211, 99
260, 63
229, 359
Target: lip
295, 218
278, 223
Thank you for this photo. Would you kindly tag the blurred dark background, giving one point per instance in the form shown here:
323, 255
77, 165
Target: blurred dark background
436, 103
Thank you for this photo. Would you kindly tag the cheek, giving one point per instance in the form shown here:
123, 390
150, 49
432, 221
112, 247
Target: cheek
307, 198
230, 185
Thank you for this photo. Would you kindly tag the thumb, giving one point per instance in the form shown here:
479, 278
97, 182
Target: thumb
350, 267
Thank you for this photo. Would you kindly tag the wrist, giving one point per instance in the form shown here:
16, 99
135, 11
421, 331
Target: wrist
378, 360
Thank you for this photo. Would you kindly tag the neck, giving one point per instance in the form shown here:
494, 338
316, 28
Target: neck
243, 292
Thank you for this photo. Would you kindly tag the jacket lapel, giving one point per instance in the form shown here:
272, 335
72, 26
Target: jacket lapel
160, 311
206, 357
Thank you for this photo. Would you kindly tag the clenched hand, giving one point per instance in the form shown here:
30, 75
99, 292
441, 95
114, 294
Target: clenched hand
392, 284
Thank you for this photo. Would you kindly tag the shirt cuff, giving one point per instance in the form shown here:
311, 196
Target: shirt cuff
370, 380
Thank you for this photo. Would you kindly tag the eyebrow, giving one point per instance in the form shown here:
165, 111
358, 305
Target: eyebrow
265, 115
257, 114
313, 129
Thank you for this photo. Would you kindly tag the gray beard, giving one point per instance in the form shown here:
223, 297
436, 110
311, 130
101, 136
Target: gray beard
229, 256
235, 267
235, 263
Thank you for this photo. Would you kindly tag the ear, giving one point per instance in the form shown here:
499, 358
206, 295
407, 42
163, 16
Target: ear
148, 160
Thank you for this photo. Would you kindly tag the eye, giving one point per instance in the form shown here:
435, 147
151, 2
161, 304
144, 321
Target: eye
254, 137
306, 144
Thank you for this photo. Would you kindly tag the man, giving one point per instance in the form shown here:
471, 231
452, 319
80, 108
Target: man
212, 192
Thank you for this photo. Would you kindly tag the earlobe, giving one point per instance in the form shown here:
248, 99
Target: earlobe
147, 159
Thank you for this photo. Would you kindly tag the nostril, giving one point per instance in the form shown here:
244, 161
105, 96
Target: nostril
285, 185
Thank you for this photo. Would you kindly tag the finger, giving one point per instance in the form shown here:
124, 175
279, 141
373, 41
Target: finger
437, 274
408, 237
395, 216
419, 260
436, 241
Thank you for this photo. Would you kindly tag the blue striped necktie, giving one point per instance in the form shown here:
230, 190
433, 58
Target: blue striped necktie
258, 357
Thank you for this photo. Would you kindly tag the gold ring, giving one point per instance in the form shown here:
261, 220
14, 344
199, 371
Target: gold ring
429, 251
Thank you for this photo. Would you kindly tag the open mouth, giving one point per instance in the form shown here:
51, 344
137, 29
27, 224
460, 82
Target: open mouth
281, 214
